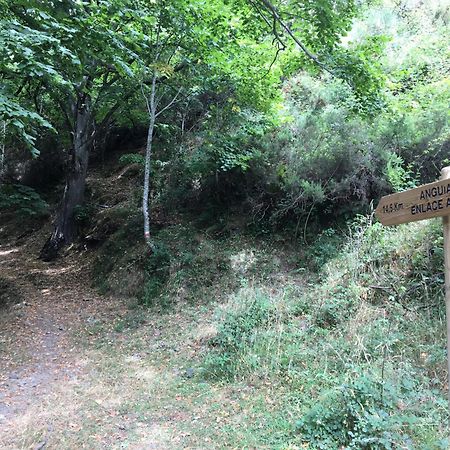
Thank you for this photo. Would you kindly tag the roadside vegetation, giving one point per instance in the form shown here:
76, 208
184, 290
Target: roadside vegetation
271, 309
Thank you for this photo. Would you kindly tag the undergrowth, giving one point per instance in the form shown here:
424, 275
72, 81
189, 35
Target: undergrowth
22, 201
186, 267
355, 354
359, 356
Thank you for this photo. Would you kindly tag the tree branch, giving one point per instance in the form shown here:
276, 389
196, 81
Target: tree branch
277, 19
112, 111
174, 99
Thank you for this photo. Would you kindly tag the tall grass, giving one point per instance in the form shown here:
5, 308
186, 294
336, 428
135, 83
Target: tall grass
359, 355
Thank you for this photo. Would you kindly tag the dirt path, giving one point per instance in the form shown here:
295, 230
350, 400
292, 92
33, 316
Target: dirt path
79, 370
37, 350
83, 371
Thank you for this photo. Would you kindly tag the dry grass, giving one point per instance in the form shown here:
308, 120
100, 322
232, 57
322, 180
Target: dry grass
140, 388
79, 370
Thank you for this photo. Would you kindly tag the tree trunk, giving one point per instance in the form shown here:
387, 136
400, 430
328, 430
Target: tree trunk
151, 105
146, 193
65, 228
2, 149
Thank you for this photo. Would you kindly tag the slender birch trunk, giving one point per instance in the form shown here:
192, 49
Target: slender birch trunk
2, 149
151, 105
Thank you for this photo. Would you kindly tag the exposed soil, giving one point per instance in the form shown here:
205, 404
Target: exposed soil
50, 302
80, 370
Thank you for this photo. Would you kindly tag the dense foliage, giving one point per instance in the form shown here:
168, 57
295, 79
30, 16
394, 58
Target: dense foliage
320, 151
371, 116
266, 133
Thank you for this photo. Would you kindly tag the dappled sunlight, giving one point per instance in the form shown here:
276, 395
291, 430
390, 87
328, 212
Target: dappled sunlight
153, 436
241, 262
204, 332
56, 271
146, 374
8, 252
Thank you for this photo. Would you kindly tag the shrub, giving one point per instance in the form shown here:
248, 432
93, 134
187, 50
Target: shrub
363, 343
132, 158
325, 247
247, 332
338, 305
237, 328
23, 201
157, 270
363, 413
239, 324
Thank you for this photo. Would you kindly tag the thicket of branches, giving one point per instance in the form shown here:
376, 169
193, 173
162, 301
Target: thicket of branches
286, 110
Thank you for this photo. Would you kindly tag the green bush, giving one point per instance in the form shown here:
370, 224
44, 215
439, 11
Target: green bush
239, 325
238, 328
157, 270
364, 413
359, 352
325, 247
246, 332
338, 305
132, 158
23, 201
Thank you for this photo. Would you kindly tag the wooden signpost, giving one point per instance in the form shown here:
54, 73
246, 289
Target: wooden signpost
424, 202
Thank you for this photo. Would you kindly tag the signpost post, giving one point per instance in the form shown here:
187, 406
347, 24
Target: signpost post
445, 175
424, 202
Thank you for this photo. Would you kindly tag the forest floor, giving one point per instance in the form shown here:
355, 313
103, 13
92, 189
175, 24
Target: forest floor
80, 370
